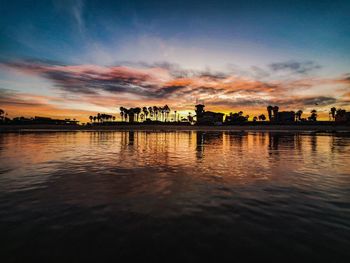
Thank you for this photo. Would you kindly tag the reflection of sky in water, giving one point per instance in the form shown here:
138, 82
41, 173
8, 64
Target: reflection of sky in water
150, 191
173, 161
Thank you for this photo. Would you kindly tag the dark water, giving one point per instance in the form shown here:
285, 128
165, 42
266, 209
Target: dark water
176, 196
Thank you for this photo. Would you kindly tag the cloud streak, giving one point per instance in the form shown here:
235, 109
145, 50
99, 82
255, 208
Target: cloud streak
168, 83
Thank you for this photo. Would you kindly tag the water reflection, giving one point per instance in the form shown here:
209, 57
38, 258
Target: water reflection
175, 186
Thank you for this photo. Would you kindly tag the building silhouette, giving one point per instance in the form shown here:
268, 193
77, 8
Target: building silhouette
208, 117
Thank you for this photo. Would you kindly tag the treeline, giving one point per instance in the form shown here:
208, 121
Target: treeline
102, 117
155, 113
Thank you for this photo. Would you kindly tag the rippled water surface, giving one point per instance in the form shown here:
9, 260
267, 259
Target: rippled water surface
185, 196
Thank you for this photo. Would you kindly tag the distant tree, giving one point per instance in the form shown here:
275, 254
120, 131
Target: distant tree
262, 117
313, 116
155, 112
2, 114
161, 111
340, 113
298, 115
166, 111
131, 114
333, 111
190, 117
255, 118
175, 116
145, 112
236, 117
113, 118
150, 110
95, 118
91, 118
137, 111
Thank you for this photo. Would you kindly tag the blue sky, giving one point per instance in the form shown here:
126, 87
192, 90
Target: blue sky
237, 38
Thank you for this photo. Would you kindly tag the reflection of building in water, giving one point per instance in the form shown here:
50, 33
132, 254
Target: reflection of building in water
274, 141
208, 117
284, 140
236, 139
203, 138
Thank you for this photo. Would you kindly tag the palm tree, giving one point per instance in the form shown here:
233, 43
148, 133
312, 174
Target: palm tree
175, 116
145, 112
313, 116
150, 110
161, 111
122, 113
131, 114
91, 118
155, 112
269, 112
137, 111
95, 118
298, 115
167, 111
2, 114
333, 111
340, 114
255, 119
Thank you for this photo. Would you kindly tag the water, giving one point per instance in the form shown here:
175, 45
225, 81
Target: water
174, 196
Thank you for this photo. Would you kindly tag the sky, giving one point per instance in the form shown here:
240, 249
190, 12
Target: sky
74, 58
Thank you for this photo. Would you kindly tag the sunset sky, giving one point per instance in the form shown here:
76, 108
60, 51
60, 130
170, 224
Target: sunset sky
72, 59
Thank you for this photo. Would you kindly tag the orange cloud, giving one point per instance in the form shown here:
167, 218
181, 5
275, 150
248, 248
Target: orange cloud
111, 87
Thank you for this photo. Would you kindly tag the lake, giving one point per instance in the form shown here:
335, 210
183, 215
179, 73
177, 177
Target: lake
174, 196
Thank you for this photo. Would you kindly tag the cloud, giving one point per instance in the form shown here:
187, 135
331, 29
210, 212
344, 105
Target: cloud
287, 103
295, 67
133, 84
75, 9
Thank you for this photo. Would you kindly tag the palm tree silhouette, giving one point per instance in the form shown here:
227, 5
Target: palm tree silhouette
155, 112
2, 114
137, 111
122, 112
91, 118
298, 115
333, 111
313, 116
150, 110
145, 112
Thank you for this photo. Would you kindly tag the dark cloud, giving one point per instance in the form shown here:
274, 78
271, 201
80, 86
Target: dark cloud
167, 91
294, 67
12, 98
347, 78
287, 103
145, 82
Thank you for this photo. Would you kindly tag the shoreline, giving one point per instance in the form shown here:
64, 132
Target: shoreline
157, 127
